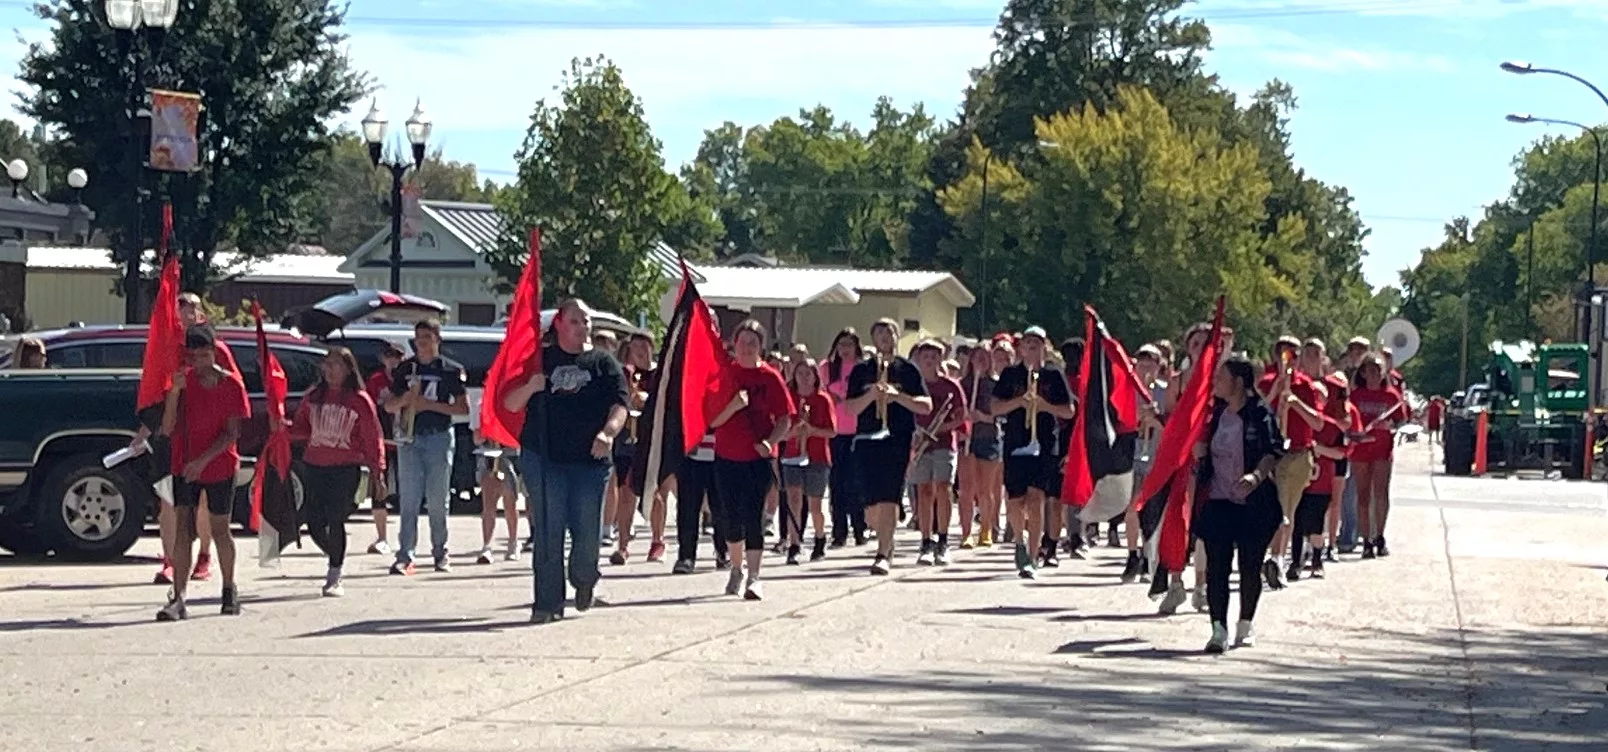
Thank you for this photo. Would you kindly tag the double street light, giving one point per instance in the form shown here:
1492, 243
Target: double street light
418, 128
131, 19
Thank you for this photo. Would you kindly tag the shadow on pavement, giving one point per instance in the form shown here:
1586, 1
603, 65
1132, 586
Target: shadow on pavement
385, 627
1540, 688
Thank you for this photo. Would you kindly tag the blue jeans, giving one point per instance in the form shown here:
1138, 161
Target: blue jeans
1348, 514
424, 474
563, 497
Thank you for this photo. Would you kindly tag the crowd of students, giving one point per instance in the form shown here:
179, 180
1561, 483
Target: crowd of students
1293, 470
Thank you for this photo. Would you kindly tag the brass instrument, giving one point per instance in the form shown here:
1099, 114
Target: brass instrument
882, 398
803, 458
1032, 408
404, 429
925, 437
632, 413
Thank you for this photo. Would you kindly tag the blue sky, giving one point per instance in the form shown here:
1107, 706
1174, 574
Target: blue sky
1400, 100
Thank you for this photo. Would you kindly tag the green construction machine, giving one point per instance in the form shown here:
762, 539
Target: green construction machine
1534, 402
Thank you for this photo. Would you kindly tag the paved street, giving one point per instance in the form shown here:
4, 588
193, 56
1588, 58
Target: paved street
1488, 629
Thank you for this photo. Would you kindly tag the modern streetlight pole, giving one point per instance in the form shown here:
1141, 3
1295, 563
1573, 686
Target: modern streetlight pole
418, 127
136, 17
982, 289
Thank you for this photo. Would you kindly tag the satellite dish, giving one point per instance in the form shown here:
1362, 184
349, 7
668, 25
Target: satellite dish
1401, 337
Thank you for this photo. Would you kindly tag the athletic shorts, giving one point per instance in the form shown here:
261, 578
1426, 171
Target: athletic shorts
1312, 514
986, 449
504, 464
812, 478
1042, 472
624, 455
220, 495
1291, 475
936, 466
881, 464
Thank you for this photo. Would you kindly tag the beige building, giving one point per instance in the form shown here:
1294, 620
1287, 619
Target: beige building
810, 305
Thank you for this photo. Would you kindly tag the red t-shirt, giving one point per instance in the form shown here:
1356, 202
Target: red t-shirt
340, 430
377, 385
1373, 403
1295, 429
204, 413
1333, 435
822, 414
939, 390
769, 400
1437, 406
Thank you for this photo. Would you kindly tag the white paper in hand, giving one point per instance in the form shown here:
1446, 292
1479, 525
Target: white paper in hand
164, 489
123, 455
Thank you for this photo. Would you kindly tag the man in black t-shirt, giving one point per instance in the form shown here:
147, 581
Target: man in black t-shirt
427, 391
1032, 456
575, 409
886, 392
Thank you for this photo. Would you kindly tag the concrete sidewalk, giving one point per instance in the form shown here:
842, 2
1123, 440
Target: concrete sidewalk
1485, 630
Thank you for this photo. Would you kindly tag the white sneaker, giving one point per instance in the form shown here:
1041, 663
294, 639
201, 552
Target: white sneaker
880, 566
940, 555
734, 581
485, 556
1176, 595
925, 559
1219, 640
1200, 603
380, 547
1244, 635
513, 552
334, 589
754, 591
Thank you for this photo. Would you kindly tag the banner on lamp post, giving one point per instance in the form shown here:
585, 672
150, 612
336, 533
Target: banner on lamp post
175, 117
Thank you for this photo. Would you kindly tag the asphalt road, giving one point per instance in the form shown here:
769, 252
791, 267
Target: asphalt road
1485, 630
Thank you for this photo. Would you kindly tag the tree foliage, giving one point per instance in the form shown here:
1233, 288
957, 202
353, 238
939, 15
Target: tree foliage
590, 173
1491, 274
271, 73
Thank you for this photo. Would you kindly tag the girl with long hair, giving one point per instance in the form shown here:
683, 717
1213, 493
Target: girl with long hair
848, 509
1241, 510
636, 359
807, 457
1381, 406
982, 462
339, 424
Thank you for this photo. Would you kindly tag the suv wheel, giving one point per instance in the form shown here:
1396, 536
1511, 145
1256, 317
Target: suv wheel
87, 512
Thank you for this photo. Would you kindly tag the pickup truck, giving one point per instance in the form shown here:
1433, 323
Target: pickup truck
55, 495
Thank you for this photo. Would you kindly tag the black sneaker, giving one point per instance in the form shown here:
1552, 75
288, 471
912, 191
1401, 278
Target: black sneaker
1270, 575
585, 597
1051, 561
1317, 566
820, 550
1131, 571
529, 546
1328, 554
839, 542
1368, 550
1144, 569
173, 611
231, 601
1078, 549
1111, 537
544, 617
792, 555
1380, 549
684, 566
1292, 573
722, 562
861, 538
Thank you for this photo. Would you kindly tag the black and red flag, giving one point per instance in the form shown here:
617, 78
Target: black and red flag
1105, 429
520, 356
1172, 472
690, 363
164, 350
273, 500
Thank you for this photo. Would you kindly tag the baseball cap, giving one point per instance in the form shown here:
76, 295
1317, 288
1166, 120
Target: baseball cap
1358, 342
1148, 351
1035, 331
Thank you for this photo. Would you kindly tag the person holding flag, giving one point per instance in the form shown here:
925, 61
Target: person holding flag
574, 406
1100, 458
202, 418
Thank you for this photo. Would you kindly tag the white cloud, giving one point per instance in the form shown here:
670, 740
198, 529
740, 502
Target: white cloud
1287, 49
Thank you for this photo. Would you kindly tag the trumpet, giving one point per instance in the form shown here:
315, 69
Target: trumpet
632, 414
925, 437
408, 414
1032, 408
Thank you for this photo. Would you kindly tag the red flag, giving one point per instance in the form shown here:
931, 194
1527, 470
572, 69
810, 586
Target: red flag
164, 351
1105, 429
690, 363
520, 356
273, 505
1171, 474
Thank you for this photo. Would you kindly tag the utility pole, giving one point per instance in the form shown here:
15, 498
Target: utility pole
1529, 280
1462, 368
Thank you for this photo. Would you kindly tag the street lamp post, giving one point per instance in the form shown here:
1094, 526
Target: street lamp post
418, 128
136, 17
982, 291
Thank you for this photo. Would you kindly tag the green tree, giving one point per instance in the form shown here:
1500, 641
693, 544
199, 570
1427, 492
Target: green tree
273, 75
590, 173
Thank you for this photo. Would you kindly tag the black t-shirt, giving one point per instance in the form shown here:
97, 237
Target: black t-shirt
904, 376
581, 391
982, 386
440, 380
1052, 390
